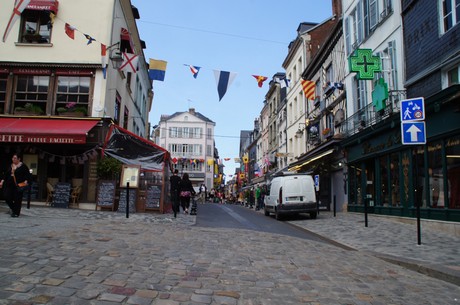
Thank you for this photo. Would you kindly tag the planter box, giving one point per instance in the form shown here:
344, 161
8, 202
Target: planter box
26, 113
72, 114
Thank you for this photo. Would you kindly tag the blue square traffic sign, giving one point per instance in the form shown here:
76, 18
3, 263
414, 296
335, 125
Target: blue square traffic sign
413, 109
413, 133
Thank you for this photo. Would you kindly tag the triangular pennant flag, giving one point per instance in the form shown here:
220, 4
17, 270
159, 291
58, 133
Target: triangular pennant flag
308, 87
194, 70
260, 80
283, 81
157, 69
104, 59
70, 31
90, 39
129, 62
19, 6
224, 79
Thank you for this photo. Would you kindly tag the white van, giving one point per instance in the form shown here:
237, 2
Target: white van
291, 194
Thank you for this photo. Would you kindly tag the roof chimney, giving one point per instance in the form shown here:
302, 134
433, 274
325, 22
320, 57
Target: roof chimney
337, 8
191, 111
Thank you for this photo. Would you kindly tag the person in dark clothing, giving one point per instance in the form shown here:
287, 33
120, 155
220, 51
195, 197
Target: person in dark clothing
186, 192
175, 189
16, 175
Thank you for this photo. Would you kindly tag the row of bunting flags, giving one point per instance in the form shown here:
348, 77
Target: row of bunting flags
157, 68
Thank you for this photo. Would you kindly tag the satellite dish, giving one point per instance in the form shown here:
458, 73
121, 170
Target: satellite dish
339, 117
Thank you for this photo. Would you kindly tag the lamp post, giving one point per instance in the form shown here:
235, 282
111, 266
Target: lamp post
30, 188
127, 198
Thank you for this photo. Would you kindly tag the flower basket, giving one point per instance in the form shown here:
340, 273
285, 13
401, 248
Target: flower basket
71, 109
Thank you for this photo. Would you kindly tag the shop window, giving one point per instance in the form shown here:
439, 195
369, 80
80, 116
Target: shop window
384, 186
435, 175
394, 180
453, 172
73, 90
32, 90
3, 81
36, 26
418, 170
355, 185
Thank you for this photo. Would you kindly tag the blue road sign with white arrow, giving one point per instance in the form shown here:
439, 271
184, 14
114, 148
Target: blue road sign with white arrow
413, 132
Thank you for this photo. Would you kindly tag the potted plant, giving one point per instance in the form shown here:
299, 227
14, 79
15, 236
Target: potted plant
326, 132
29, 109
108, 168
71, 109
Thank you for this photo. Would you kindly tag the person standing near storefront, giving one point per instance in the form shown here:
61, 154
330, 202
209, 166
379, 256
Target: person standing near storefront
14, 183
175, 189
186, 192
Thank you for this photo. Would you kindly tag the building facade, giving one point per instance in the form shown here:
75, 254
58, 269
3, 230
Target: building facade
52, 69
189, 137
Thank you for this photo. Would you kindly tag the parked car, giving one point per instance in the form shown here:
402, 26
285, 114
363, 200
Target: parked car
291, 194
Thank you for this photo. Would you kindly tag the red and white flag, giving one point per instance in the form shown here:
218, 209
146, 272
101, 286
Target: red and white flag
70, 31
129, 62
19, 7
104, 59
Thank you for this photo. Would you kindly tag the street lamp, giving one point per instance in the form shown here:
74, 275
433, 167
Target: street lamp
115, 55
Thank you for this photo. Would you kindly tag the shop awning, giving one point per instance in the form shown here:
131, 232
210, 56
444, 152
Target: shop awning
45, 131
43, 5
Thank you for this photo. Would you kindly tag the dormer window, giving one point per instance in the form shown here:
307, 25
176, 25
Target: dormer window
37, 21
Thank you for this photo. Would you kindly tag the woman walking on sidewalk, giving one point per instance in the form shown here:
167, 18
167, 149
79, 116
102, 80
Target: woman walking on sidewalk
14, 183
186, 192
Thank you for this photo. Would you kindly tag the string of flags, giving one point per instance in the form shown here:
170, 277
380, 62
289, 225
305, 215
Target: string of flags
157, 68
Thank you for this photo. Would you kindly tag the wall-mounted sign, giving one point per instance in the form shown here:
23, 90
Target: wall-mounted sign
380, 94
364, 63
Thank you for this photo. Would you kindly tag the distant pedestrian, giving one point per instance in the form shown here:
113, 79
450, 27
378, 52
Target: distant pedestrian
258, 195
186, 192
202, 193
15, 181
175, 189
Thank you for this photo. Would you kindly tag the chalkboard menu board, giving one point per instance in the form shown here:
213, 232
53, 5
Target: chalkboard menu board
106, 193
132, 200
152, 200
61, 196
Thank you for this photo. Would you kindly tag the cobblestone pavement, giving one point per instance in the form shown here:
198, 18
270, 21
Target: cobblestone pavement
65, 256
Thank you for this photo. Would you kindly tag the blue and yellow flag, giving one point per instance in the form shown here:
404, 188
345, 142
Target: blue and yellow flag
157, 69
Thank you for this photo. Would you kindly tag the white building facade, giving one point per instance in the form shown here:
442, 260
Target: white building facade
189, 137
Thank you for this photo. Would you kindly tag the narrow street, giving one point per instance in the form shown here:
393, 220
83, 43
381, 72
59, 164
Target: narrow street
67, 256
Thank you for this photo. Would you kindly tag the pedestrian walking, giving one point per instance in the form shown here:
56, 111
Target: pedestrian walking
202, 193
258, 194
174, 181
15, 181
186, 192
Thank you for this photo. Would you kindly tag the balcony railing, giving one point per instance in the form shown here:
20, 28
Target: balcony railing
367, 116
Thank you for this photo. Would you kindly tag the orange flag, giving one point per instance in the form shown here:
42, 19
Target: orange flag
260, 80
308, 87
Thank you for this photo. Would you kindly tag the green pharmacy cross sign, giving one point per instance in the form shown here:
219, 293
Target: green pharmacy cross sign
365, 64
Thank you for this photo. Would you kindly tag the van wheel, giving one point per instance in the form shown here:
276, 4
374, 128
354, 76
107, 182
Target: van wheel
277, 215
266, 212
313, 215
